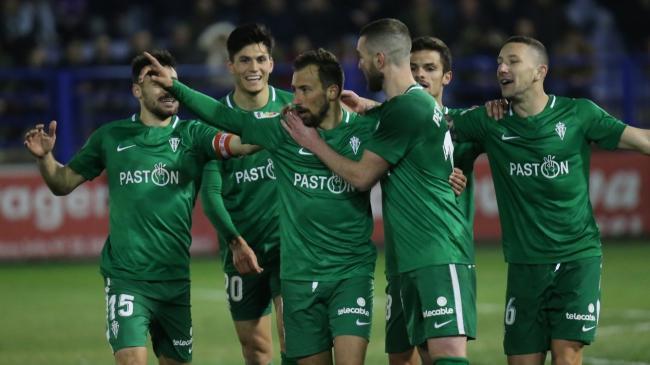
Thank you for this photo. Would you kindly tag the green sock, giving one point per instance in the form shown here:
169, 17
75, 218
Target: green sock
451, 361
287, 360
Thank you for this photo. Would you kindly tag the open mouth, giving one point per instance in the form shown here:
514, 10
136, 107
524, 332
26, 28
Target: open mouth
424, 84
253, 78
169, 101
505, 81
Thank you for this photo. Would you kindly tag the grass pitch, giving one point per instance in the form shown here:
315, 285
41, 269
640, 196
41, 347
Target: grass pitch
53, 313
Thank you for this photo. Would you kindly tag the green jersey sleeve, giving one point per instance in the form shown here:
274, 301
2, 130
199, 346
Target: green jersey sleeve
89, 161
213, 205
469, 125
263, 129
464, 153
393, 137
203, 136
601, 127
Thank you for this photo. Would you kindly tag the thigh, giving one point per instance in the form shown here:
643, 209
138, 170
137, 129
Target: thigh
255, 333
396, 336
526, 324
350, 307
306, 322
128, 314
249, 296
575, 302
440, 301
171, 330
350, 350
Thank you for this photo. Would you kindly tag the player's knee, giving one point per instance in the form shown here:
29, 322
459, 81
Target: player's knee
409, 357
567, 352
131, 356
257, 355
447, 347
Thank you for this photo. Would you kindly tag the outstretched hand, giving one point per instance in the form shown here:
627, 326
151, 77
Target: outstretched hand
38, 142
303, 135
243, 257
458, 181
159, 74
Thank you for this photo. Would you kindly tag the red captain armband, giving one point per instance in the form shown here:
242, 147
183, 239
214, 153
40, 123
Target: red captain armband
221, 145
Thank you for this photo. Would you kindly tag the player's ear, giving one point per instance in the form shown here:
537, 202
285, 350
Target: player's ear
136, 90
379, 60
230, 65
271, 63
541, 72
333, 92
446, 78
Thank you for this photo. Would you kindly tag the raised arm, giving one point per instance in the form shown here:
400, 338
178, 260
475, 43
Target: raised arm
362, 174
635, 139
59, 178
208, 109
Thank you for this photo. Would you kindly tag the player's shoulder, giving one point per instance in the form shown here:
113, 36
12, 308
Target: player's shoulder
366, 122
117, 124
414, 102
191, 126
281, 96
582, 110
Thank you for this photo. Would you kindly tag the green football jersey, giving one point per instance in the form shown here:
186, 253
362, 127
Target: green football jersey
423, 224
249, 191
540, 169
154, 175
325, 223
465, 154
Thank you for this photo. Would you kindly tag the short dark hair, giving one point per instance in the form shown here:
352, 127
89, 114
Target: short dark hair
330, 71
532, 42
140, 61
434, 44
246, 34
390, 36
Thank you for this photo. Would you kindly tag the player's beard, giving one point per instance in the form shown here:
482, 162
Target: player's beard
375, 79
314, 120
155, 108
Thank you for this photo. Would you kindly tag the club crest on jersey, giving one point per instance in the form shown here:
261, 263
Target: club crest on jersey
115, 327
265, 115
560, 129
355, 142
173, 142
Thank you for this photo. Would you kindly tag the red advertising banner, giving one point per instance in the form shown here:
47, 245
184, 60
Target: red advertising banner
619, 194
34, 224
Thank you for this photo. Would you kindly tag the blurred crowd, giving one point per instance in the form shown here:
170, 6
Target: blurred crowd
585, 38
63, 33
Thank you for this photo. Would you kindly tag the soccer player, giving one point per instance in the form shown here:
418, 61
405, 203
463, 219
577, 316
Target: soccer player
327, 258
242, 193
425, 231
431, 67
153, 162
539, 156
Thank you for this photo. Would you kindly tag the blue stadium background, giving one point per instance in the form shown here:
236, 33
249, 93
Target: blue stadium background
68, 59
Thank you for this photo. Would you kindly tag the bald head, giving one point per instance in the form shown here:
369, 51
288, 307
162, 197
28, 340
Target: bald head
390, 37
